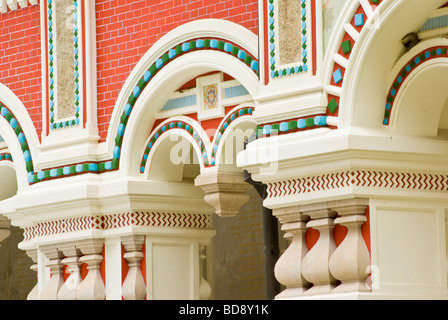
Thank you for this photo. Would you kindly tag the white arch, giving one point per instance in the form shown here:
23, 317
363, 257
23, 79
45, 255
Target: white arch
167, 165
13, 103
377, 49
178, 132
425, 86
201, 60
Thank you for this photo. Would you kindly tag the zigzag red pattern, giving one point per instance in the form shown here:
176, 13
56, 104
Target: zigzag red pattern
358, 178
114, 221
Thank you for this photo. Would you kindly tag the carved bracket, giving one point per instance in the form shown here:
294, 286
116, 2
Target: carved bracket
225, 191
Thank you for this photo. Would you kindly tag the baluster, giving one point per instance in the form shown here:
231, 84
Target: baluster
51, 289
288, 269
68, 290
134, 287
315, 265
34, 293
350, 261
92, 287
205, 291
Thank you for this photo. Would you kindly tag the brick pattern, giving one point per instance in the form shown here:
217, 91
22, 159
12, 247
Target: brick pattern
126, 29
20, 62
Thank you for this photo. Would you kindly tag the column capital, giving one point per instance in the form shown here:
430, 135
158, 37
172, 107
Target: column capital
349, 206
290, 215
90, 246
224, 191
133, 242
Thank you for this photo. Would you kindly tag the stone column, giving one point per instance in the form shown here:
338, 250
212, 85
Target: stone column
92, 287
72, 259
350, 261
134, 287
288, 269
55, 256
315, 265
34, 293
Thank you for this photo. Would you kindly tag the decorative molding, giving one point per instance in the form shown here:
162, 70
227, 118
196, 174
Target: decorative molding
12, 5
358, 178
6, 157
285, 127
119, 220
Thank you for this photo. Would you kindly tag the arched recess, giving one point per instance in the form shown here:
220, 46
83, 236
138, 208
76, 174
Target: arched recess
19, 134
232, 139
9, 180
377, 50
8, 189
175, 73
176, 154
420, 100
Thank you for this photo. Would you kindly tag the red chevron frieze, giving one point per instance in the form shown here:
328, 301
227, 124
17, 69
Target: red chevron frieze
358, 178
120, 220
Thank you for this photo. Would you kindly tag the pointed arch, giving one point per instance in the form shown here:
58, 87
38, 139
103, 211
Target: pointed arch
362, 54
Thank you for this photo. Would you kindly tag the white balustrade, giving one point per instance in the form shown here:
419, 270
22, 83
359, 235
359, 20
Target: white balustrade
72, 259
315, 265
350, 261
205, 291
134, 287
34, 293
288, 269
92, 287
51, 289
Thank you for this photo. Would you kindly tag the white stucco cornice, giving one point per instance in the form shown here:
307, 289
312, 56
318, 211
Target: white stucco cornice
11, 5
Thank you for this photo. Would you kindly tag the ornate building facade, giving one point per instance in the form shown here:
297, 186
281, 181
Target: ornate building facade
128, 128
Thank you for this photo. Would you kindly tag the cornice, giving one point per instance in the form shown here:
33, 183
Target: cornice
12, 5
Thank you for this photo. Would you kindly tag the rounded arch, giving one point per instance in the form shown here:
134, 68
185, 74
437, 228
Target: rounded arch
190, 50
234, 129
417, 93
181, 149
19, 134
177, 72
378, 48
183, 127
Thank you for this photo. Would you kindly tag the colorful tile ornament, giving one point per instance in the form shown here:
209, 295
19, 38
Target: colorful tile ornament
291, 126
210, 93
51, 68
303, 67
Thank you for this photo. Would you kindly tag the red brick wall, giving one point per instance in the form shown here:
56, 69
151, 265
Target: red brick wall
20, 63
126, 29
